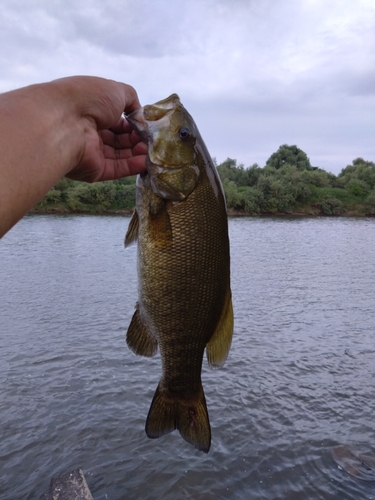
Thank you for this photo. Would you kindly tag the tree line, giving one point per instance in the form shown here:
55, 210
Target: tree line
287, 184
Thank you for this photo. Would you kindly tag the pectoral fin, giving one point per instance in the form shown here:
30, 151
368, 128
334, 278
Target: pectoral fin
132, 232
217, 348
175, 184
139, 339
159, 225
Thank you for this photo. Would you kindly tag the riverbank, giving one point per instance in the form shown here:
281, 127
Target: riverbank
310, 211
286, 190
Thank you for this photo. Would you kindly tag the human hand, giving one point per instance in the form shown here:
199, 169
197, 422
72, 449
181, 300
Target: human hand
110, 148
110, 154
69, 127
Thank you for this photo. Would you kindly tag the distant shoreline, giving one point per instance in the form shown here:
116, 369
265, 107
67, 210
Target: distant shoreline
290, 188
231, 213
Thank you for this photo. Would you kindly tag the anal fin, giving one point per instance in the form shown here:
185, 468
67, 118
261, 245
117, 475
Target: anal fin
138, 337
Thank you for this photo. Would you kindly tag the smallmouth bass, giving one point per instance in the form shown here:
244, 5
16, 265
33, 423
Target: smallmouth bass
184, 297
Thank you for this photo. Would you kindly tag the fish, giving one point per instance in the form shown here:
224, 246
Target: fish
184, 302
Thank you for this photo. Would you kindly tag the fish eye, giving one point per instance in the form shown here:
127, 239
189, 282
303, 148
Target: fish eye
184, 133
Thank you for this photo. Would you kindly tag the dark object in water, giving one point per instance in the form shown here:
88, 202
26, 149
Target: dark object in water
354, 462
71, 486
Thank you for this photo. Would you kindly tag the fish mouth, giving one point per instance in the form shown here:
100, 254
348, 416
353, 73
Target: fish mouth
157, 111
137, 120
168, 103
145, 120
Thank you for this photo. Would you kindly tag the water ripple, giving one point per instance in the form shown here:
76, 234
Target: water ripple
299, 379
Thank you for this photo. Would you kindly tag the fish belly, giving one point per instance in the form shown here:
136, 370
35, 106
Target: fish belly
183, 267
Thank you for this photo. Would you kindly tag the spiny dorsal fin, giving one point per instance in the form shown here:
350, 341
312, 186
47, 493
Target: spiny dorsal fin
139, 339
132, 232
217, 348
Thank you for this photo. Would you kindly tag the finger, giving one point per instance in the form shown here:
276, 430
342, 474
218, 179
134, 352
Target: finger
122, 126
140, 148
112, 153
135, 138
131, 99
117, 168
116, 141
136, 164
122, 141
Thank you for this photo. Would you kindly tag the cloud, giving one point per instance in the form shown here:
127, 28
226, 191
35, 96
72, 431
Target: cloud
254, 74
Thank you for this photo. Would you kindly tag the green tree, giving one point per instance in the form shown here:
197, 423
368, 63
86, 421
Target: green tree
358, 177
318, 177
124, 196
231, 194
98, 194
51, 198
286, 184
237, 173
289, 155
370, 203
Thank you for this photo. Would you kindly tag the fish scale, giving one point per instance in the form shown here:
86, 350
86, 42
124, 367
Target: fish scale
184, 300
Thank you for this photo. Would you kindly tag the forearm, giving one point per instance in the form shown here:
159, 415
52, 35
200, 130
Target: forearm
53, 129
41, 140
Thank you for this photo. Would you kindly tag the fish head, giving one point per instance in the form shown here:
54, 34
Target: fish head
171, 135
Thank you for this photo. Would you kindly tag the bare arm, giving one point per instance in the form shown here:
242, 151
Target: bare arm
69, 127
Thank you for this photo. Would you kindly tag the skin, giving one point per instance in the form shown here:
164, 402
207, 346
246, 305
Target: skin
68, 127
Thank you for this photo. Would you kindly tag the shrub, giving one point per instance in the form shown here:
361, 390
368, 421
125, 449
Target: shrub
231, 194
370, 203
358, 187
100, 194
318, 178
124, 196
251, 199
332, 206
51, 198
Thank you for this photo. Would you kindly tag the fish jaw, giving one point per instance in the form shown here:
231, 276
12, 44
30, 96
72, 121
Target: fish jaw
147, 120
171, 135
137, 120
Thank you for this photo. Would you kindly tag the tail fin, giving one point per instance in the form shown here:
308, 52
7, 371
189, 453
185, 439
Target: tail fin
189, 417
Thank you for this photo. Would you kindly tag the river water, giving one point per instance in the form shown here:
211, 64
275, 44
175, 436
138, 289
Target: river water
299, 379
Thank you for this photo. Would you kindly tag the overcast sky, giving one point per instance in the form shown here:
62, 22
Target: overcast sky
254, 74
